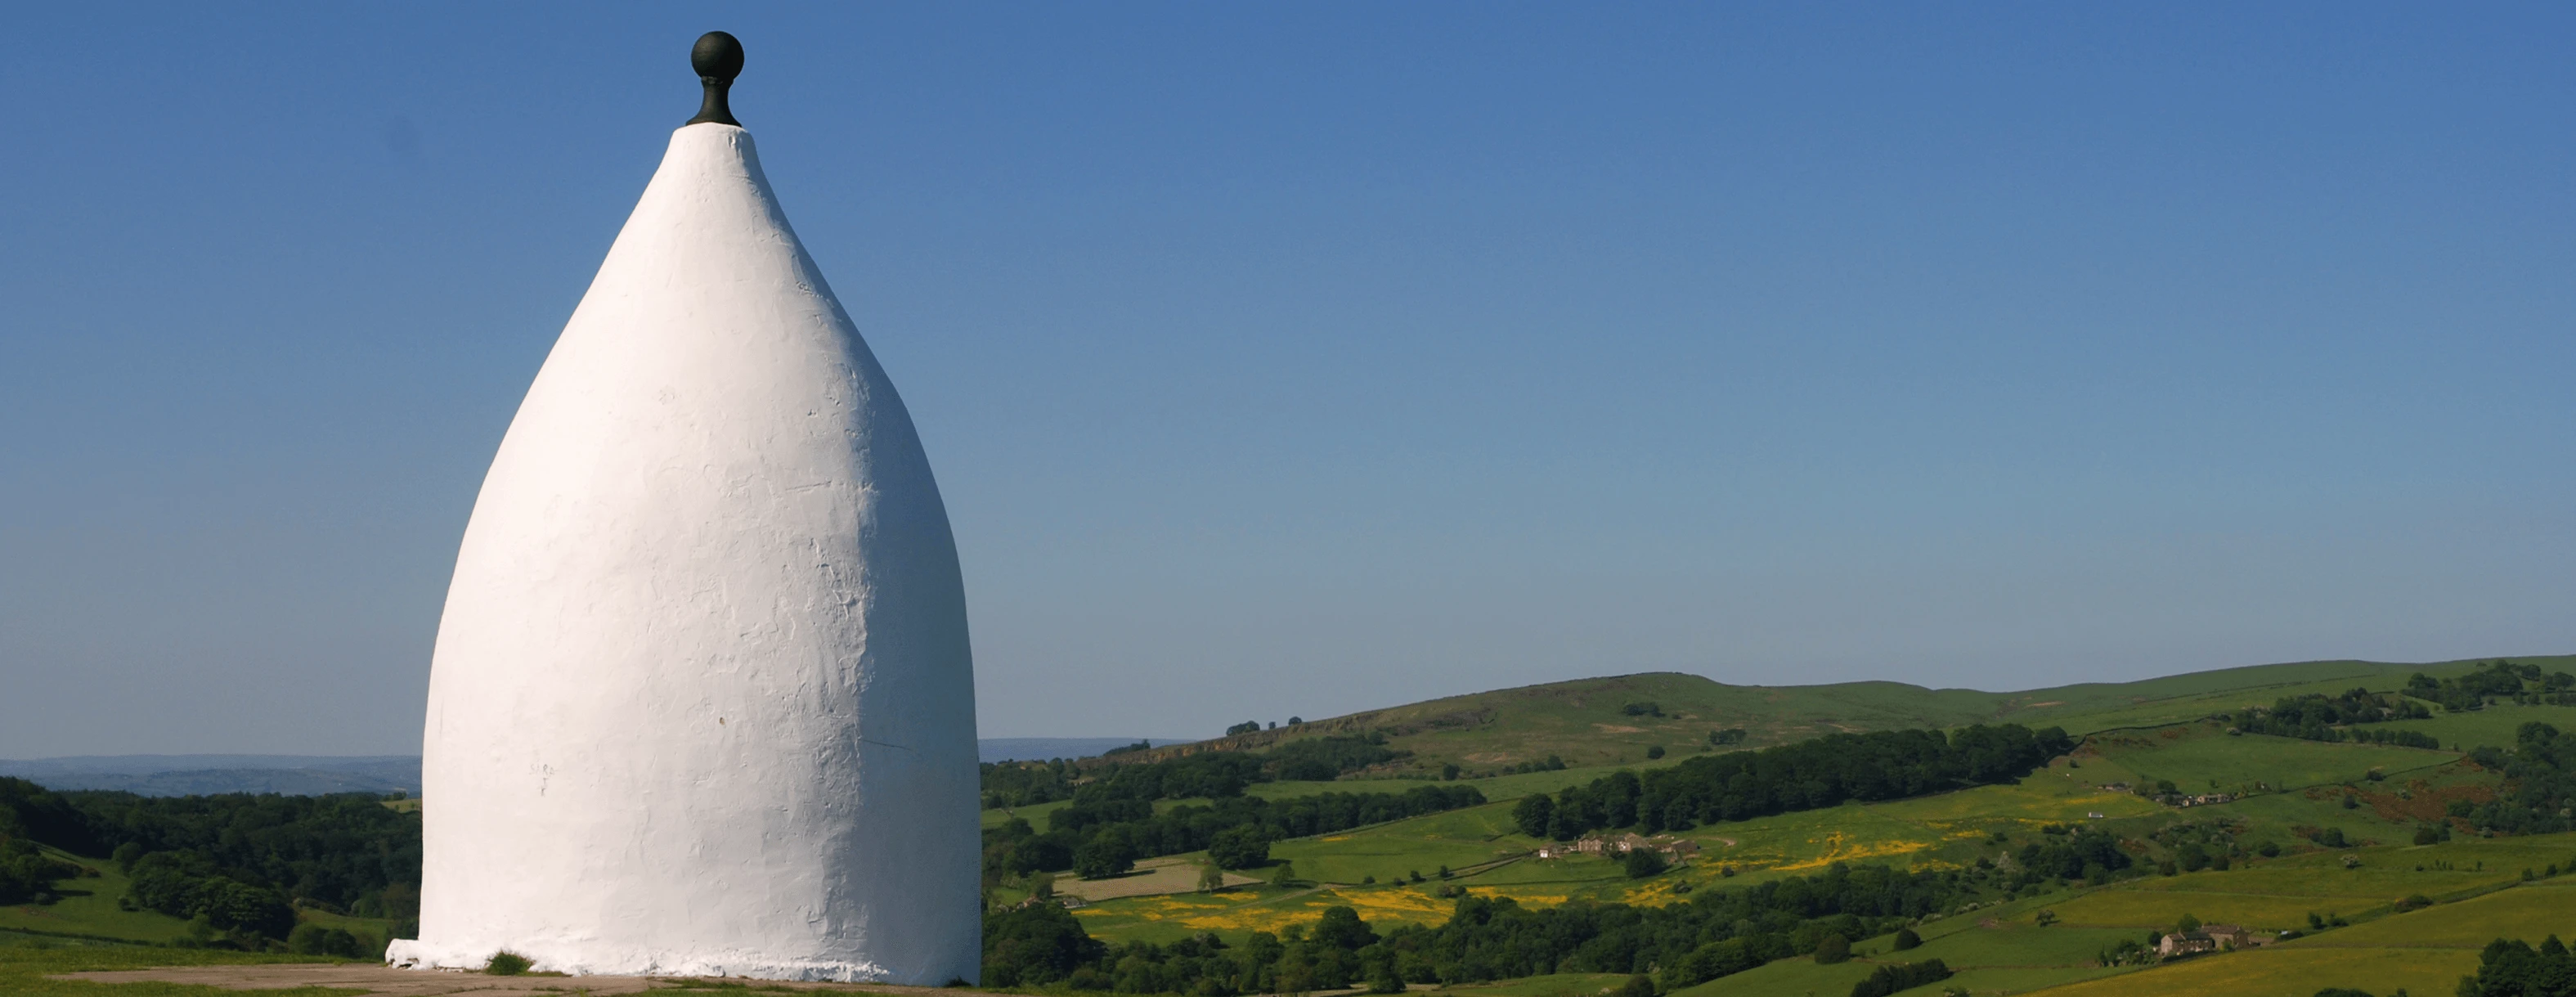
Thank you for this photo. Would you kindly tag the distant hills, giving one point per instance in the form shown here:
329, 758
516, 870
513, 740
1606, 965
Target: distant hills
1615, 720
1621, 720
312, 775
1038, 749
188, 775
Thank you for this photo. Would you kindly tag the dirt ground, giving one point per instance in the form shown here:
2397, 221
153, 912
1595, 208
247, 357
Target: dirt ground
376, 979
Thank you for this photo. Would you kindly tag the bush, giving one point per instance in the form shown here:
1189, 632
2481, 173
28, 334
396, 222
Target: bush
507, 963
1654, 751
1907, 939
1833, 948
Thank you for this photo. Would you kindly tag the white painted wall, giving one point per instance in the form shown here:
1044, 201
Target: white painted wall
702, 701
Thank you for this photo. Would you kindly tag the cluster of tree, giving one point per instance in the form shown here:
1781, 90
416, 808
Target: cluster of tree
1718, 932
2317, 717
1214, 774
237, 863
1646, 709
1246, 727
187, 884
346, 851
2071, 853
1731, 735
2399, 738
27, 874
1323, 758
1893, 977
1103, 834
1551, 764
29, 814
1823, 772
2540, 781
2513, 968
1020, 784
2496, 680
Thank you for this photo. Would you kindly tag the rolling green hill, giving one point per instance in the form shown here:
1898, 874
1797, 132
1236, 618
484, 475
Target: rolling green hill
1588, 722
2283, 835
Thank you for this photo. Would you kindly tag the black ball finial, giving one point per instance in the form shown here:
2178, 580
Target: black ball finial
718, 59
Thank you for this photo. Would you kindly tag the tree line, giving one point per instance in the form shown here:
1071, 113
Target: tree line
2515, 968
2318, 717
1716, 933
1205, 774
238, 864
2496, 680
1103, 833
2540, 783
1823, 772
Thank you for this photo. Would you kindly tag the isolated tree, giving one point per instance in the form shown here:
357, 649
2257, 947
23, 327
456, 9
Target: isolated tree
1833, 948
1102, 857
1907, 939
1341, 927
1641, 863
1242, 847
1211, 879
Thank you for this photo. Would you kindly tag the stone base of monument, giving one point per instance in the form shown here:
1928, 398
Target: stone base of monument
591, 960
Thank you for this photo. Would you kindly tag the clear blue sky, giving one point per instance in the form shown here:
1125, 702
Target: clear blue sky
1306, 358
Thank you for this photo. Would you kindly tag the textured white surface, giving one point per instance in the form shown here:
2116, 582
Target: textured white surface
702, 701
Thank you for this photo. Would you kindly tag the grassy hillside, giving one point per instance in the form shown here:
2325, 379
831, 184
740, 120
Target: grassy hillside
88, 909
1590, 722
2287, 793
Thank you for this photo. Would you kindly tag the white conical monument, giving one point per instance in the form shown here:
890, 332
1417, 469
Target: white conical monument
702, 702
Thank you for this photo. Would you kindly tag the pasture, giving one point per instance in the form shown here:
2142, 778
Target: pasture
88, 907
2425, 952
2493, 725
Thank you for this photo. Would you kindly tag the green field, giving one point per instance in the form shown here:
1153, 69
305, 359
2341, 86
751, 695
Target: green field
1552, 985
2425, 952
2491, 725
25, 970
88, 912
2003, 947
2139, 733
88, 907
1585, 723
